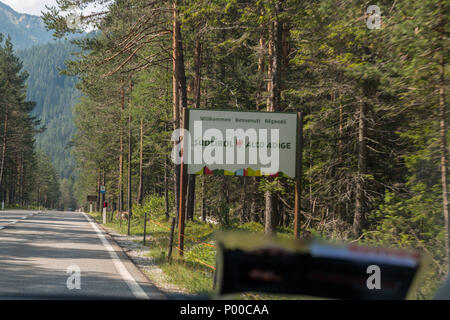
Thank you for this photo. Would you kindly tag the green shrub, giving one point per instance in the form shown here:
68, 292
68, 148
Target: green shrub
154, 205
201, 253
250, 227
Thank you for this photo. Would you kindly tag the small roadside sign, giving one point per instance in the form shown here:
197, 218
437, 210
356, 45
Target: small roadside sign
91, 198
102, 189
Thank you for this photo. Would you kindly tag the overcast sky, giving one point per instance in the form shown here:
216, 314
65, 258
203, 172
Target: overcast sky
29, 6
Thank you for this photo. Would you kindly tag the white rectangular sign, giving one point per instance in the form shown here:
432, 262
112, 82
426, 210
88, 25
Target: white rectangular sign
241, 143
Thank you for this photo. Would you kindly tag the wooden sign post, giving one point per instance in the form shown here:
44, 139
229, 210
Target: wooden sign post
298, 175
91, 199
183, 187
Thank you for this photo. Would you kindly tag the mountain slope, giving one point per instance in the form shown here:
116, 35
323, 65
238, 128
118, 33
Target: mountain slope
54, 95
25, 30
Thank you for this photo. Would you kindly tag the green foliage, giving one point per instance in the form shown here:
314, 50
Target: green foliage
202, 253
369, 100
274, 186
46, 182
54, 94
254, 227
17, 157
154, 205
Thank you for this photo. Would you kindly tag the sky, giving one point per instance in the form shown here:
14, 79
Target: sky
33, 7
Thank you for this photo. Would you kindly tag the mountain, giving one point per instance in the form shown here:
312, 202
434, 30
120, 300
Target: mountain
54, 94
25, 30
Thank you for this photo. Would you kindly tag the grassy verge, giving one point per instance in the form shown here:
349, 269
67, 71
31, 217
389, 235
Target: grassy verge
189, 273
195, 272
18, 207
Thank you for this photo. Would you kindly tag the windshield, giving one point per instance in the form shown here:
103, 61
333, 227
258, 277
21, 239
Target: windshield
136, 135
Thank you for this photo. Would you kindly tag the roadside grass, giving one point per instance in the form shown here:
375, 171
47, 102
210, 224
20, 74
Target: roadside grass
188, 273
19, 207
194, 273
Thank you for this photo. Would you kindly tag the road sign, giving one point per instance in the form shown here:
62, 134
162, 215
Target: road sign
241, 143
91, 198
102, 189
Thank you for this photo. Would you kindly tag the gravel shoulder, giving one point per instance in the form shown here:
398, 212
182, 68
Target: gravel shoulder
139, 255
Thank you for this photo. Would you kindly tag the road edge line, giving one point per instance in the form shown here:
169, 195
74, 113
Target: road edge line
135, 288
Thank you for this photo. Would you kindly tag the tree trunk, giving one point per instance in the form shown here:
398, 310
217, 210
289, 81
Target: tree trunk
275, 93
103, 184
341, 133
120, 184
286, 45
130, 154
274, 103
190, 199
269, 217
176, 105
244, 211
141, 160
99, 181
203, 199
225, 200
360, 214
197, 72
22, 202
166, 187
179, 90
259, 98
253, 198
269, 68
443, 148
5, 138
190, 207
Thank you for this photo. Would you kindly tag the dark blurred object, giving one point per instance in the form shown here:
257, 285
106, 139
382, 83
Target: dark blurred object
312, 268
91, 198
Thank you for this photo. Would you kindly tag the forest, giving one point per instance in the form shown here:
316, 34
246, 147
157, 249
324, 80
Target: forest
373, 101
54, 95
27, 176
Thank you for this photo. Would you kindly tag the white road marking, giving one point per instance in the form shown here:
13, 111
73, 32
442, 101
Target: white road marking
14, 222
126, 276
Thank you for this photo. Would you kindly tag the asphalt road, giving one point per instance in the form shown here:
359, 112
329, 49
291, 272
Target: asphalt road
38, 248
